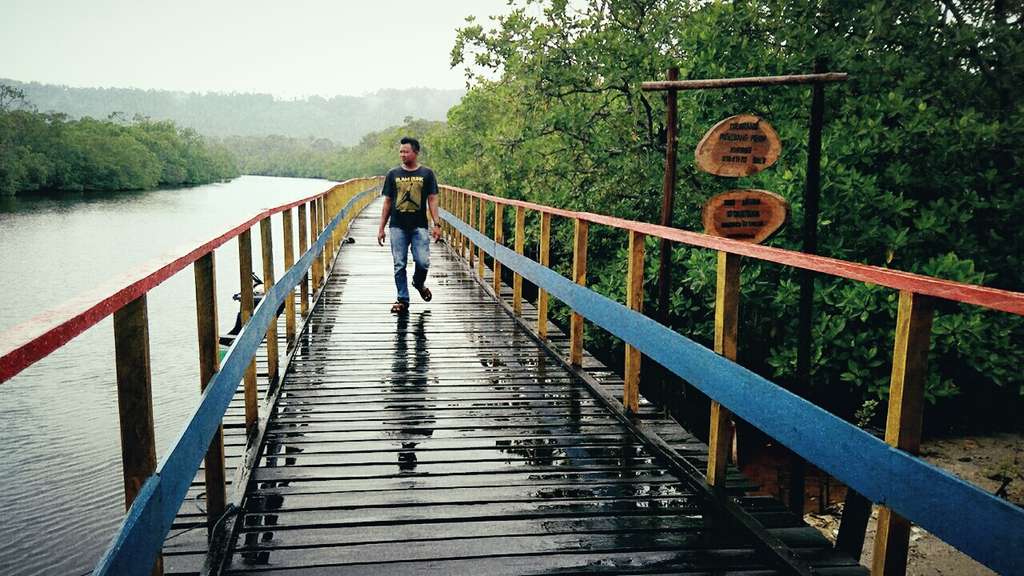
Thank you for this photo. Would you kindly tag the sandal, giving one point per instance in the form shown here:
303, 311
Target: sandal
399, 307
425, 293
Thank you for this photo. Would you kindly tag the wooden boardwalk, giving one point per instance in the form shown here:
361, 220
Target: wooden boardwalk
449, 441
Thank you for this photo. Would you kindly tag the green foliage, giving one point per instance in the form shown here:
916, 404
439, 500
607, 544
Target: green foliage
921, 160
51, 152
321, 158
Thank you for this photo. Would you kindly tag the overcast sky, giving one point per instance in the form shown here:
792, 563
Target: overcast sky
288, 48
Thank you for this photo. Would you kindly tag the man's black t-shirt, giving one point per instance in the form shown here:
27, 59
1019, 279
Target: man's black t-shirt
409, 190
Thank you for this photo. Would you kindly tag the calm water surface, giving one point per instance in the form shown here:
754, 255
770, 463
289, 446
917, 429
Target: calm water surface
60, 483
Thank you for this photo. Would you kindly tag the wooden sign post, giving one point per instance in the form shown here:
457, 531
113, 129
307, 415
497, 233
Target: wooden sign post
812, 191
668, 189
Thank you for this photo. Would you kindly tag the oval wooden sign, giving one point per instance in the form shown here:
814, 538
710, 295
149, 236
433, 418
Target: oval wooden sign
740, 145
747, 215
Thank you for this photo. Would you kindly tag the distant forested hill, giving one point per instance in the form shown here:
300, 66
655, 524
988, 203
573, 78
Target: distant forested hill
343, 119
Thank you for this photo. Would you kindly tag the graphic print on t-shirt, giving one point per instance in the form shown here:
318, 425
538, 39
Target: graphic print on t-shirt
410, 193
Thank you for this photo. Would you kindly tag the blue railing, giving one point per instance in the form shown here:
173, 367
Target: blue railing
147, 523
987, 528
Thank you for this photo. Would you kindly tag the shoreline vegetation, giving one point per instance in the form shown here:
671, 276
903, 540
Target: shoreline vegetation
53, 153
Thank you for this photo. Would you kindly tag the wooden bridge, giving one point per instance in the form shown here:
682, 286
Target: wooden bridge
472, 435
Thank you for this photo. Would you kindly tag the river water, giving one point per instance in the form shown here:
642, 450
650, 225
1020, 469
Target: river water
61, 496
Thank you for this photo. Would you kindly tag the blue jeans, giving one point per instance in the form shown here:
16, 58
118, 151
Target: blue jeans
401, 240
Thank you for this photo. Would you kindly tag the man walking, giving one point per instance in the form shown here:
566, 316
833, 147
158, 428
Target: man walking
408, 191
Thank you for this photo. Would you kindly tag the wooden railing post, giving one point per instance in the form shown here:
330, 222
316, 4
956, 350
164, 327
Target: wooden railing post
289, 261
135, 400
325, 217
246, 304
314, 227
303, 247
904, 420
446, 203
544, 256
325, 254
463, 241
634, 301
209, 364
579, 275
482, 228
453, 208
727, 301
339, 202
470, 220
332, 211
499, 238
446, 229
463, 215
517, 280
267, 244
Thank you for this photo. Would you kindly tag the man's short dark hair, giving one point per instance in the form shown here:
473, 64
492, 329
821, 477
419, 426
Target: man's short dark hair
412, 142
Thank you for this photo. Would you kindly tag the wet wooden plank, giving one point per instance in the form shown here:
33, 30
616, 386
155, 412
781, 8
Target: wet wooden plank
448, 441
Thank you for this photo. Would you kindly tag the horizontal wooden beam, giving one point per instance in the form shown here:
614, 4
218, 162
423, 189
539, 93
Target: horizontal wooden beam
713, 83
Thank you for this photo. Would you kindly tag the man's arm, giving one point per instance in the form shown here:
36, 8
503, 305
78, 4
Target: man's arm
436, 228
385, 213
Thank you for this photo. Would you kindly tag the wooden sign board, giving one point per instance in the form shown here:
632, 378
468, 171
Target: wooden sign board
747, 215
738, 146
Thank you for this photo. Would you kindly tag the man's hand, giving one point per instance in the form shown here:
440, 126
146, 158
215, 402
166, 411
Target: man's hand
435, 233
380, 236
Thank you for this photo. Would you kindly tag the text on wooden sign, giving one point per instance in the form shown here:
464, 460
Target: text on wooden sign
747, 215
740, 145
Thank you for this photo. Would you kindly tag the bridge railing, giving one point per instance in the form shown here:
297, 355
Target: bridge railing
154, 493
989, 529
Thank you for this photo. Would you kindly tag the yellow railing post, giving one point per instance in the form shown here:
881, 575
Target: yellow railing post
499, 238
727, 301
579, 275
442, 204
517, 280
469, 220
333, 199
289, 261
446, 229
246, 304
446, 203
346, 193
453, 201
904, 420
463, 215
545, 253
482, 228
463, 241
209, 364
267, 243
314, 227
135, 400
303, 247
327, 245
634, 301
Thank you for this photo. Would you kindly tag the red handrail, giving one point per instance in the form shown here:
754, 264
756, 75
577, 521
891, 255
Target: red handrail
993, 298
28, 342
